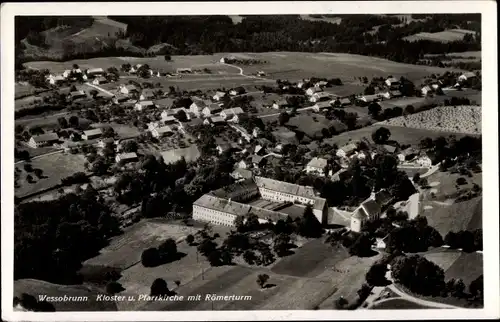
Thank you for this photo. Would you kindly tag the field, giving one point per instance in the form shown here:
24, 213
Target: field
465, 215
55, 167
443, 259
467, 267
403, 135
37, 287
281, 65
442, 36
460, 119
125, 250
325, 18
397, 304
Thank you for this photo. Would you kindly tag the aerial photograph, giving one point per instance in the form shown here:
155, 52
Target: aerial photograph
248, 162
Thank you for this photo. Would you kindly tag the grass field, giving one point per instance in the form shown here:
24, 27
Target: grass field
38, 287
55, 167
459, 119
125, 250
397, 304
465, 215
442, 36
443, 259
467, 267
281, 65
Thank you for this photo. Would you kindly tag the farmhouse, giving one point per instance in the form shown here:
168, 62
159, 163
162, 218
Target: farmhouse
346, 150
320, 96
321, 106
426, 90
119, 98
99, 80
311, 90
190, 154
142, 105
407, 154
46, 139
368, 210
241, 174
218, 96
279, 104
94, 72
317, 166
211, 109
103, 142
197, 106
341, 101
55, 80
320, 84
237, 91
127, 157
147, 94
128, 89
161, 131
231, 114
369, 98
466, 76
392, 82
214, 120
76, 94
92, 134
391, 94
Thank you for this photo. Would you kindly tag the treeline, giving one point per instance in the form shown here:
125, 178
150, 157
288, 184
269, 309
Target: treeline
189, 35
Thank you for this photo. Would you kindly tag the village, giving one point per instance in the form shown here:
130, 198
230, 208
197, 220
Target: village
245, 160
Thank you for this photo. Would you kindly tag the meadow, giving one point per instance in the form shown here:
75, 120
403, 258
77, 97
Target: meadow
442, 36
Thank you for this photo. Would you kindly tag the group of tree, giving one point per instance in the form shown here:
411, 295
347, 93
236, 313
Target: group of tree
468, 241
418, 274
166, 252
413, 236
52, 244
450, 151
30, 303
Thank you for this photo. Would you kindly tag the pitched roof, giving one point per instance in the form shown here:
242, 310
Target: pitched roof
393, 80
317, 163
146, 103
348, 147
245, 173
360, 213
469, 74
213, 107
323, 104
319, 203
383, 197
217, 119
235, 189
164, 129
285, 187
370, 206
92, 132
220, 94
389, 148
128, 155
233, 111
95, 70
130, 87
395, 93
47, 137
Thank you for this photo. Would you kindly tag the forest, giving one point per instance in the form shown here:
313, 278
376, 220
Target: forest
373, 35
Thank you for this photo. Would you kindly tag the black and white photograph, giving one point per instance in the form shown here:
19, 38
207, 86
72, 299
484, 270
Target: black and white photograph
315, 160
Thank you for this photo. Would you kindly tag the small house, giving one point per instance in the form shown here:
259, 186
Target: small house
346, 150
392, 82
311, 90
92, 134
279, 104
76, 95
241, 174
424, 161
341, 101
230, 114
368, 210
319, 106
237, 91
158, 132
143, 105
242, 165
47, 139
197, 106
146, 94
317, 166
100, 80
127, 157
369, 98
211, 109
426, 90
466, 76
256, 132
218, 96
320, 84
407, 154
168, 119
55, 80
128, 89
320, 96
103, 142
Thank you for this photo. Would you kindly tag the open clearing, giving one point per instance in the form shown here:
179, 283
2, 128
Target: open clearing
125, 250
55, 167
465, 215
460, 119
446, 189
467, 267
443, 259
442, 36
37, 287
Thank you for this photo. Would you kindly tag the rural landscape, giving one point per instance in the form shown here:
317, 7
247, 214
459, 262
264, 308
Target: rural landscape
293, 162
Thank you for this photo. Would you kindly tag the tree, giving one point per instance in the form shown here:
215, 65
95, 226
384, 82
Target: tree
374, 109
206, 247
262, 280
309, 226
418, 274
341, 303
283, 118
114, 287
215, 258
63, 123
364, 291
150, 257
381, 135
369, 90
159, 287
168, 57
168, 249
190, 239
461, 181
458, 289
281, 244
416, 178
376, 274
74, 121
130, 146
362, 246
476, 287
410, 109
38, 173
181, 116
249, 257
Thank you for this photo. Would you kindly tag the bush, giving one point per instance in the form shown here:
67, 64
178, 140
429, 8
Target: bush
159, 287
114, 287
150, 257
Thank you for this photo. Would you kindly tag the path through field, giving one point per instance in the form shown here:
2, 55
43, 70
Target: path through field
100, 89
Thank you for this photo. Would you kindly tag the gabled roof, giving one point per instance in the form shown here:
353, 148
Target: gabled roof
323, 104
319, 203
371, 207
130, 87
164, 129
244, 173
128, 155
469, 74
392, 80
146, 103
95, 70
285, 187
92, 132
233, 111
190, 154
348, 147
317, 163
220, 94
217, 119
213, 107
389, 148
47, 137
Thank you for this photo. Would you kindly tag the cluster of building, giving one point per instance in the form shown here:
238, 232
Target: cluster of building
72, 74
224, 205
